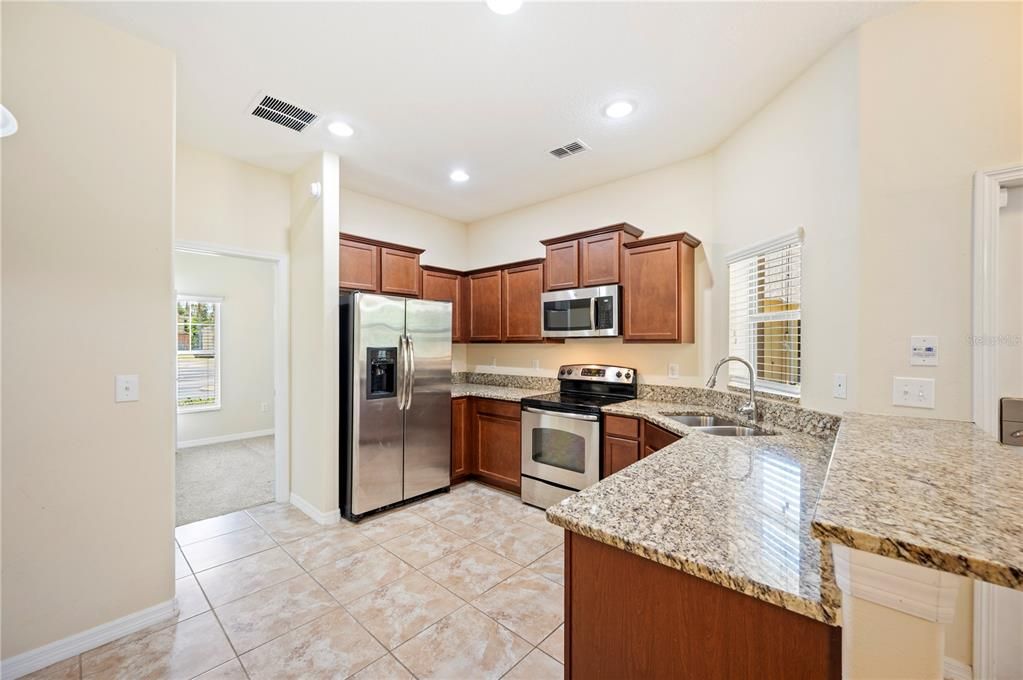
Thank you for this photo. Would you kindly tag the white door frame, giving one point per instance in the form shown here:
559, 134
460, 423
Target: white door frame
995, 610
282, 403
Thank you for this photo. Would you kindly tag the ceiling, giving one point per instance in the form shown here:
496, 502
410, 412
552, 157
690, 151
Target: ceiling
430, 87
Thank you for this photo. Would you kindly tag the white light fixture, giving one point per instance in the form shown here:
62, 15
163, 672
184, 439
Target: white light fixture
618, 109
340, 129
8, 123
504, 6
459, 176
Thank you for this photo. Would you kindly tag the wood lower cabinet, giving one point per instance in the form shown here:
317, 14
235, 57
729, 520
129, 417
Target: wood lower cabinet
358, 265
562, 266
461, 427
521, 303
626, 440
399, 272
629, 617
496, 435
658, 281
447, 285
656, 438
485, 303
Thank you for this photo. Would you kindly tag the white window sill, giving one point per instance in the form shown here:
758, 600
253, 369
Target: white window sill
198, 409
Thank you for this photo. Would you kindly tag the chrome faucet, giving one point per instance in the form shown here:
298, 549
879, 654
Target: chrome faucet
749, 410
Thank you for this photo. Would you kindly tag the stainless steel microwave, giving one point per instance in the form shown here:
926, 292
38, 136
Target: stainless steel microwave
582, 312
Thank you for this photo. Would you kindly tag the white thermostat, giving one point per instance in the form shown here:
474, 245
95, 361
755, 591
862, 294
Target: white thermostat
923, 350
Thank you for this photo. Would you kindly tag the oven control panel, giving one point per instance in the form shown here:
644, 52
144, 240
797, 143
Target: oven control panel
598, 373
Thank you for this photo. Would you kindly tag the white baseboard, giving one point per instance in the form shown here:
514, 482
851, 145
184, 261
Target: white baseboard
224, 438
49, 654
325, 518
957, 670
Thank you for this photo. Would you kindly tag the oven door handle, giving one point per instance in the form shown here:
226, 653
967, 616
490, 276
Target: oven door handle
559, 414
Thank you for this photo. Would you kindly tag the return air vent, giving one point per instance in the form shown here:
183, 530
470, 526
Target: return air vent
570, 149
281, 112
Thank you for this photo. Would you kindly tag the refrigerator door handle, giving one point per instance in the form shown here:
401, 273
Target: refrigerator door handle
410, 389
402, 373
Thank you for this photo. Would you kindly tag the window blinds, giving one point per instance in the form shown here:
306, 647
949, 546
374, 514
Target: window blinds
198, 342
764, 320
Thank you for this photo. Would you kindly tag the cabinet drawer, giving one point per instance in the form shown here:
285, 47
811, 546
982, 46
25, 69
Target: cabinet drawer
656, 438
621, 426
496, 407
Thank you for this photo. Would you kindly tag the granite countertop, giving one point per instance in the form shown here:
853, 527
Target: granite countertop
735, 511
937, 493
494, 391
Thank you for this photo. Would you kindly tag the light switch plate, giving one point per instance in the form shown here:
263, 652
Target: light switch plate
127, 388
839, 387
913, 392
923, 350
672, 370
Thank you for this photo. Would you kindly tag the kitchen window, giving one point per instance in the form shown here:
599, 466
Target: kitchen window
198, 342
764, 321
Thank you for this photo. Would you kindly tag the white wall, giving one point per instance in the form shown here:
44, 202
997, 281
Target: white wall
443, 239
678, 197
227, 202
246, 342
794, 164
88, 484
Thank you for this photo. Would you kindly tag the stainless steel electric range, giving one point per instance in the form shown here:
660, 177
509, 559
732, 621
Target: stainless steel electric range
561, 431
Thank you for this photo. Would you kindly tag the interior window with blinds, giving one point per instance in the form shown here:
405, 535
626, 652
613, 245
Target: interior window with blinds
198, 338
764, 314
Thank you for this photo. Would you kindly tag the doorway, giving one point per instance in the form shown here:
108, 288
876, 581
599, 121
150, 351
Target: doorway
231, 410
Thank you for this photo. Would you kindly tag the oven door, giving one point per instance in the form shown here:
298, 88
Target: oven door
563, 448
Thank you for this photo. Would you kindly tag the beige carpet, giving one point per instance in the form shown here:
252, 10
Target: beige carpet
221, 478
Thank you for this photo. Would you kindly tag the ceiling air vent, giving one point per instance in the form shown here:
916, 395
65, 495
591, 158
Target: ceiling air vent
570, 149
283, 113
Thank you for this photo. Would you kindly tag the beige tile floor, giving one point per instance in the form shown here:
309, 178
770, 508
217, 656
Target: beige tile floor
466, 585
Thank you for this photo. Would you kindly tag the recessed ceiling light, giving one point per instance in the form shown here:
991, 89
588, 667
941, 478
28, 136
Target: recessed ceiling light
504, 6
8, 123
459, 176
618, 109
341, 129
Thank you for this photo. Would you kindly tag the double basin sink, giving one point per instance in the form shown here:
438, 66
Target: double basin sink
718, 426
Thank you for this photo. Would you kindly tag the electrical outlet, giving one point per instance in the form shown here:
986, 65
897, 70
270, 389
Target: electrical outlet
839, 386
264, 407
672, 370
536, 364
913, 392
126, 388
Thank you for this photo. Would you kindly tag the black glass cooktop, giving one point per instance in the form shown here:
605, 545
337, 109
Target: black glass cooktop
573, 402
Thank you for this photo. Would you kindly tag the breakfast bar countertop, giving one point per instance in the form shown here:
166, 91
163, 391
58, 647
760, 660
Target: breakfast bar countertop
735, 511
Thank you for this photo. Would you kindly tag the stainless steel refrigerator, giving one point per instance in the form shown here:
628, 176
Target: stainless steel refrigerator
395, 400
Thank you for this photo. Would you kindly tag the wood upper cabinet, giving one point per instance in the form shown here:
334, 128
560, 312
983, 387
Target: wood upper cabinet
377, 266
521, 305
496, 435
587, 258
358, 265
658, 281
562, 266
461, 426
485, 305
399, 272
449, 286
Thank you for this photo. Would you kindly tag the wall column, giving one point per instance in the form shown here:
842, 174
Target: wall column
893, 616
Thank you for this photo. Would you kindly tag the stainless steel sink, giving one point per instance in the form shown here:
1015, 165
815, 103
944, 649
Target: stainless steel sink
733, 431
702, 420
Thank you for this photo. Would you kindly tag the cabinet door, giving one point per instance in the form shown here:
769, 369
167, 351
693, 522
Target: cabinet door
656, 438
485, 304
522, 289
599, 258
619, 454
447, 287
399, 272
562, 266
652, 307
460, 464
358, 266
496, 440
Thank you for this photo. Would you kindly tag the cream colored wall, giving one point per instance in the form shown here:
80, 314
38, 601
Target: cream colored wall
227, 202
314, 334
794, 164
675, 198
939, 99
443, 239
88, 484
246, 342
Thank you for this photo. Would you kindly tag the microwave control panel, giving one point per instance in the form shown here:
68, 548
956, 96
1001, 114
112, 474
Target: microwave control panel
604, 312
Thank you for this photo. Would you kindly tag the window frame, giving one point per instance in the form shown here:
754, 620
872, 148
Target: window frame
738, 376
217, 359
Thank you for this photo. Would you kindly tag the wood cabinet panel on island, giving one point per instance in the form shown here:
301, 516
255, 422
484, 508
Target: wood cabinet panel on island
659, 289
627, 440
